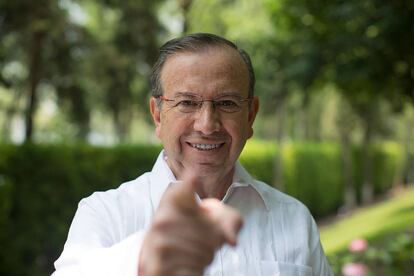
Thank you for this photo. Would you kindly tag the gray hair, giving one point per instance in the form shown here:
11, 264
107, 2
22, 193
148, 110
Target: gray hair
193, 43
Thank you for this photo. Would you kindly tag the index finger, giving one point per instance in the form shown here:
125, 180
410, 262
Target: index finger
182, 194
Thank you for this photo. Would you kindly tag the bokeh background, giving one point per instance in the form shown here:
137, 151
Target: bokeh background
335, 129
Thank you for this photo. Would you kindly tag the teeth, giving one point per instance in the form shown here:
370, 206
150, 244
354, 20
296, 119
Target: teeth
205, 146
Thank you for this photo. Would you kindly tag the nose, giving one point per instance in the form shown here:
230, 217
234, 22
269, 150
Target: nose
207, 120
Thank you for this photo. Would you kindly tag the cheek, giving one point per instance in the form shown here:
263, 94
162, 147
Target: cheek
171, 129
239, 131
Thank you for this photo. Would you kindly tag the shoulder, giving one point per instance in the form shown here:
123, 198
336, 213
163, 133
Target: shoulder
125, 194
293, 214
294, 227
116, 213
273, 196
284, 205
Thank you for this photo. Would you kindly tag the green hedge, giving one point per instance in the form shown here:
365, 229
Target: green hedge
258, 158
387, 160
408, 173
313, 174
40, 186
40, 189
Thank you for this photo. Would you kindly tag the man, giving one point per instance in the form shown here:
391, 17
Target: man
184, 217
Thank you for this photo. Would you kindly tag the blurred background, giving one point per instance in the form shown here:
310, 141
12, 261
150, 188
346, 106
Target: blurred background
335, 129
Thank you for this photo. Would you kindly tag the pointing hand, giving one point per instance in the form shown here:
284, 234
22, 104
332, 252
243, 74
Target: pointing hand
184, 235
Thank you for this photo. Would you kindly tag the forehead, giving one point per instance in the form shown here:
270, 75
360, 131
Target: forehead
208, 71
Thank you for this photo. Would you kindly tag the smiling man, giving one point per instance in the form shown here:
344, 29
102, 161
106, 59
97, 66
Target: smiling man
185, 217
208, 136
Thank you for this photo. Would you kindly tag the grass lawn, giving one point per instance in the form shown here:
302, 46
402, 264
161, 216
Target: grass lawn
392, 215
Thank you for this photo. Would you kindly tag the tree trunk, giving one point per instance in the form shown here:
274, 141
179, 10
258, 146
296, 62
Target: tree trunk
408, 148
346, 124
305, 117
9, 113
83, 132
34, 79
367, 186
278, 181
185, 7
122, 122
349, 188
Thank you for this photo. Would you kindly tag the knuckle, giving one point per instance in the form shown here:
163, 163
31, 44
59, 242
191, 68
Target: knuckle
161, 223
238, 219
216, 239
159, 269
161, 247
164, 221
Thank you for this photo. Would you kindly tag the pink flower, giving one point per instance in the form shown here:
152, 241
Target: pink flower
358, 245
354, 269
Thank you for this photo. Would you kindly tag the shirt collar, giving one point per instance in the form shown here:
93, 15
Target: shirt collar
161, 177
242, 178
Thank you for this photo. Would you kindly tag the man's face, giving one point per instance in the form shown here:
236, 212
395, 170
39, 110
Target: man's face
209, 141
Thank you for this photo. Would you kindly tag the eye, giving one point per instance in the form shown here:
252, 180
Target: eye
187, 103
227, 103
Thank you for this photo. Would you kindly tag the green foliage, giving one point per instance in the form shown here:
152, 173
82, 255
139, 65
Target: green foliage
387, 255
258, 159
40, 186
311, 171
388, 228
345, 39
392, 215
387, 161
313, 174
89, 55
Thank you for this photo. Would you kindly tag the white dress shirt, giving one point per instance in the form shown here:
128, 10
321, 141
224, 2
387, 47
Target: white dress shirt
279, 236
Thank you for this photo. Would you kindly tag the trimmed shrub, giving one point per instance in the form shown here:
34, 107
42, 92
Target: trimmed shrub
387, 164
408, 173
313, 174
41, 185
259, 160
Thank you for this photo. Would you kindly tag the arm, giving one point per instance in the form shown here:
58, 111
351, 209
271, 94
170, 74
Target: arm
184, 236
91, 248
319, 262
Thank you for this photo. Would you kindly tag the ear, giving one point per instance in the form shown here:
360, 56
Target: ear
254, 108
156, 115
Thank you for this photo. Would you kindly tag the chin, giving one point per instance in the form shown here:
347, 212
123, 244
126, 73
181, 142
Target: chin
205, 168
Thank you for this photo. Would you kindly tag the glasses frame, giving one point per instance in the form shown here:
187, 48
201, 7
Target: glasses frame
201, 102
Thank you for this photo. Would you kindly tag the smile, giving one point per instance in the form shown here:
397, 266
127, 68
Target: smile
205, 146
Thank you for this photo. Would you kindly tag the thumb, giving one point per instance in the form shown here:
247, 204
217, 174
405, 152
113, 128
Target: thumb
228, 219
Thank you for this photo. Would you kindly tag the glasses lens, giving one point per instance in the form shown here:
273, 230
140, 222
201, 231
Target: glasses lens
191, 103
187, 104
229, 104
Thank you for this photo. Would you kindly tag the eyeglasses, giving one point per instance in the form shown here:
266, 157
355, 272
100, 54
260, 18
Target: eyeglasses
192, 103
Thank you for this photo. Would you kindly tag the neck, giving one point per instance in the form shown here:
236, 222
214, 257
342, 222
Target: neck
212, 186
209, 185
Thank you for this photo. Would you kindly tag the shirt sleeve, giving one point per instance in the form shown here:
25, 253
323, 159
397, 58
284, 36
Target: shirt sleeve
94, 246
319, 262
320, 265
